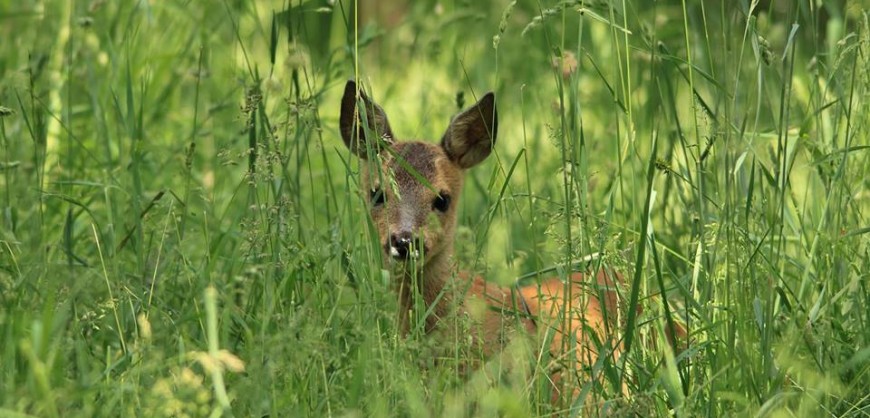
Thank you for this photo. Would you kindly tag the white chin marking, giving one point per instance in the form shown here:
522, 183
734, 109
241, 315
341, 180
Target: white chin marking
394, 253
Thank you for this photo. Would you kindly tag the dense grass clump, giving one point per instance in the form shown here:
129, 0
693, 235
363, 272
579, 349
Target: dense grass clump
182, 231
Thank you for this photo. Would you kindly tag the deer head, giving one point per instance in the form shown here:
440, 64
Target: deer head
414, 185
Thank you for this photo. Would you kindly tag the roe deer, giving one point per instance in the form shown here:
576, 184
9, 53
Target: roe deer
414, 187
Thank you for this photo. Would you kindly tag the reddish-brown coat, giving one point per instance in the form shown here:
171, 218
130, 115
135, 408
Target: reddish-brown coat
579, 316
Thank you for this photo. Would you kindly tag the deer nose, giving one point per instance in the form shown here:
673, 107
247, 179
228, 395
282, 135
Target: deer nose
404, 245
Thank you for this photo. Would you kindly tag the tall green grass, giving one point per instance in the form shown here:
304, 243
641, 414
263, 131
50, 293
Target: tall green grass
183, 232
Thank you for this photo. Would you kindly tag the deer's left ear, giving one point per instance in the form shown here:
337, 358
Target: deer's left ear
471, 135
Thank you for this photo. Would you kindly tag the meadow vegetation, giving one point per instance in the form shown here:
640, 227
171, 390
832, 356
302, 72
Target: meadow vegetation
182, 231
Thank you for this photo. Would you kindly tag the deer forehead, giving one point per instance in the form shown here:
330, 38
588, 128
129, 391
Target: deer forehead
413, 159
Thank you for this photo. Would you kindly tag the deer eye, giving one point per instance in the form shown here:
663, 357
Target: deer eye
377, 197
441, 202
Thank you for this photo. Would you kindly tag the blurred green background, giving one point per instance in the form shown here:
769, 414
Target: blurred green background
154, 150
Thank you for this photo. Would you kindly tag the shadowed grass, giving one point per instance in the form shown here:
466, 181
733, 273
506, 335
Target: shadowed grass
183, 232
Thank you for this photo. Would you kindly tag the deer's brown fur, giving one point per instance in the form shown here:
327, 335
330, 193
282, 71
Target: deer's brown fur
582, 310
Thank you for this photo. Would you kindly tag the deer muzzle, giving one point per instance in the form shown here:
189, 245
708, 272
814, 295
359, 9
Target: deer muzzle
404, 246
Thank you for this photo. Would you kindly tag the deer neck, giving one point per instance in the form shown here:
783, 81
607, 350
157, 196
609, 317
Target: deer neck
426, 285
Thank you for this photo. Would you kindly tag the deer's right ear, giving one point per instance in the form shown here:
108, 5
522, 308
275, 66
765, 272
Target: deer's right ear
355, 133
